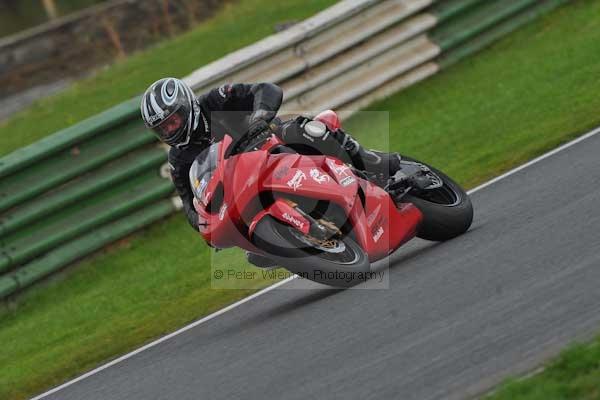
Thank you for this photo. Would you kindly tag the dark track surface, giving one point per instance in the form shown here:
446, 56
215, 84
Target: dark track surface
458, 316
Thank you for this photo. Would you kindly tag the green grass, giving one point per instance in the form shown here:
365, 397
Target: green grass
16, 16
574, 375
238, 24
531, 91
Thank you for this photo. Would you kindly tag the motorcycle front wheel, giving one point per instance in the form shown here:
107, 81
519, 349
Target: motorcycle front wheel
338, 262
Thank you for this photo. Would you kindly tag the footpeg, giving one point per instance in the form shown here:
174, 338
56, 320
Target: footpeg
412, 175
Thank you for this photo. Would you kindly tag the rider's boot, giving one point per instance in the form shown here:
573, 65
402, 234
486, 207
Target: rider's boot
260, 261
380, 166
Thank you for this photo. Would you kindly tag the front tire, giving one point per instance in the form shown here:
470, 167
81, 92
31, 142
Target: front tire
343, 265
447, 211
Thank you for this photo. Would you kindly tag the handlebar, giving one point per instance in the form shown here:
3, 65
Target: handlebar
245, 143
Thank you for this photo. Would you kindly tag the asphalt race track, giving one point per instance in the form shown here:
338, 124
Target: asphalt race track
458, 317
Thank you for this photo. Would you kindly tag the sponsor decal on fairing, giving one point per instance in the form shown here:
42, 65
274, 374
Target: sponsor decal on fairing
318, 176
222, 211
339, 169
378, 234
373, 215
349, 180
296, 181
296, 222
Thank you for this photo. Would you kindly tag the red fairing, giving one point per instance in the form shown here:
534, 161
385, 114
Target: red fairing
231, 204
285, 213
318, 177
380, 226
329, 118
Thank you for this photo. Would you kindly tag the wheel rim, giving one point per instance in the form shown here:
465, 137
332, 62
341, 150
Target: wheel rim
333, 250
333, 246
444, 195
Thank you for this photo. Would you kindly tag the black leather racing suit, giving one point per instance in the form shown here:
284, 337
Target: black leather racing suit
229, 109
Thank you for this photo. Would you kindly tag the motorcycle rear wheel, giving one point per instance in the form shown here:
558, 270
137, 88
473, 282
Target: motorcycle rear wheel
342, 263
447, 211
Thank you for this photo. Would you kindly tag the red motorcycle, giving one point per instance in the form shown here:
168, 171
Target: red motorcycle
314, 215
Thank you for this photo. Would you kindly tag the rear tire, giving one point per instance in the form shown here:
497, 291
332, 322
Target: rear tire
344, 268
446, 214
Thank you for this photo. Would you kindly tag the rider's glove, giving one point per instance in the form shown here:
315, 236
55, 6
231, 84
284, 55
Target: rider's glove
257, 127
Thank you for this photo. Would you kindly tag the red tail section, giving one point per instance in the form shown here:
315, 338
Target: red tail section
329, 118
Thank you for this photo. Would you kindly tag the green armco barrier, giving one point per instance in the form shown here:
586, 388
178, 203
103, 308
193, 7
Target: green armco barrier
32, 242
476, 21
82, 246
496, 32
70, 163
94, 182
448, 9
108, 119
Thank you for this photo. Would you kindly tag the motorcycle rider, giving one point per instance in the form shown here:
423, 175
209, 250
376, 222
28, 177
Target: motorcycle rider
189, 124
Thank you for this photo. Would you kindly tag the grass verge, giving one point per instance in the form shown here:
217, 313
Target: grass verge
574, 375
526, 94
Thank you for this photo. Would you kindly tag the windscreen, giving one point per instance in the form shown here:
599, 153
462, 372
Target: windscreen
202, 169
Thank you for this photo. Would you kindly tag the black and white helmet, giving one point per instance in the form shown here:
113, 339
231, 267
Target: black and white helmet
170, 109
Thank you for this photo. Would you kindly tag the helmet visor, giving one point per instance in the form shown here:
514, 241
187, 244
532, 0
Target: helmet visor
170, 127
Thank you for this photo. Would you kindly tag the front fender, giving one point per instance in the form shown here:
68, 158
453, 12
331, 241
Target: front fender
284, 212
